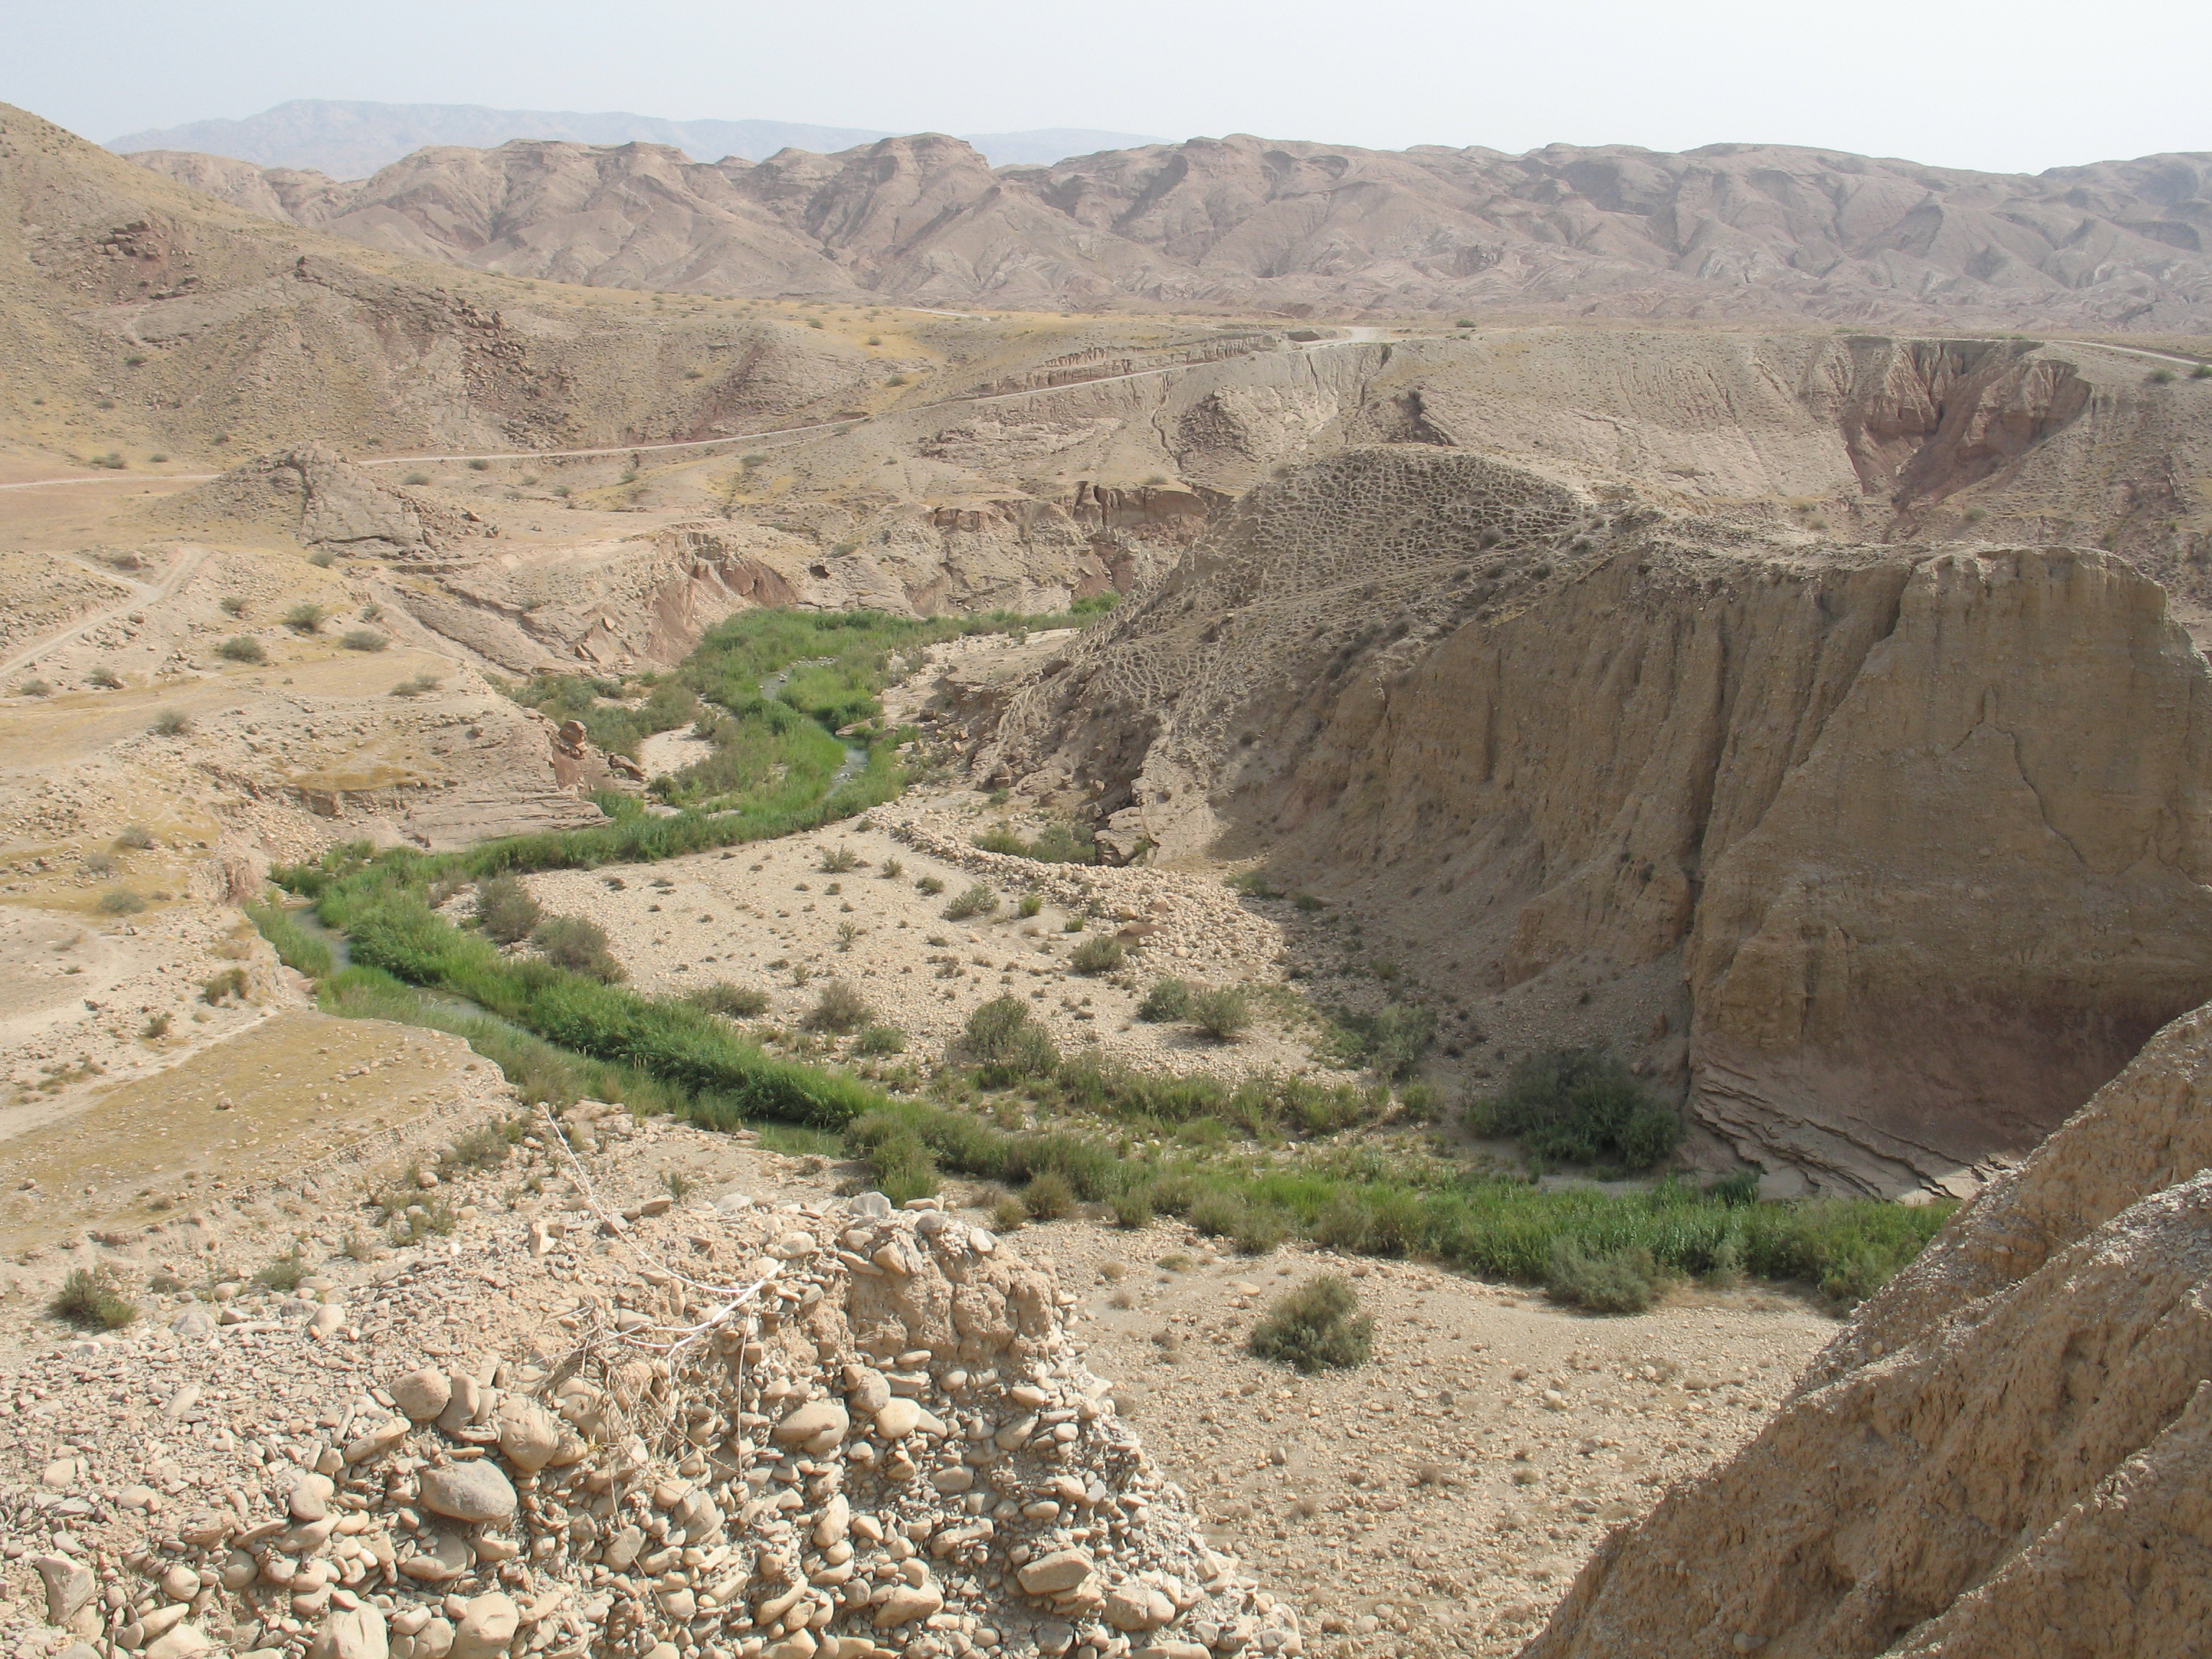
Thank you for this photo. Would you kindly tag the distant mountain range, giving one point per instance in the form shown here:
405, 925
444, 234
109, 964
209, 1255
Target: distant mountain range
1730, 232
352, 140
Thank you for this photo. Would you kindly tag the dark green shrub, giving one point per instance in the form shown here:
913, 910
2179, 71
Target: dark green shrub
88, 1300
840, 1008
1007, 1041
1131, 1209
903, 1168
304, 618
296, 948
1048, 1196
929, 886
1392, 1041
880, 1040
731, 1001
1031, 904
977, 901
579, 945
1167, 1001
505, 909
1319, 1325
1221, 1012
1623, 1281
1580, 1105
838, 860
1099, 954
230, 982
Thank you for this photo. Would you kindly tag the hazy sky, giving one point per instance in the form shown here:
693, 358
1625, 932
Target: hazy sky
2013, 86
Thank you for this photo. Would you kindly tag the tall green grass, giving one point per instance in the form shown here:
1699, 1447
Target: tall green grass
296, 947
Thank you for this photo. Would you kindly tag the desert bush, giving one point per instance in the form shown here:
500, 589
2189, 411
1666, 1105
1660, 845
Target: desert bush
89, 1299
230, 982
892, 869
1099, 954
416, 480
479, 465
880, 1040
505, 909
169, 723
120, 902
1167, 1001
1320, 1326
1048, 1196
1581, 1105
1031, 904
35, 688
364, 639
136, 837
840, 1008
579, 945
232, 605
106, 678
731, 1001
305, 618
1131, 1209
1008, 1214
902, 1166
156, 1027
322, 558
1007, 1041
1393, 1040
1621, 1281
839, 860
1221, 1012
929, 886
418, 685
284, 1274
479, 1148
976, 901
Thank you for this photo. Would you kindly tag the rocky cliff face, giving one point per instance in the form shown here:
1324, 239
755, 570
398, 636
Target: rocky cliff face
1730, 230
2005, 1453
1916, 834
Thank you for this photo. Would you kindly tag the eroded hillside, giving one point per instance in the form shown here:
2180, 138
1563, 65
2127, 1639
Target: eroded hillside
1883, 857
1731, 231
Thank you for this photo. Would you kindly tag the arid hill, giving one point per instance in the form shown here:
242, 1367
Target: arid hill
2003, 1453
1743, 231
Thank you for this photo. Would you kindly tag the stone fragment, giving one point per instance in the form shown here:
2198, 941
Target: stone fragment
378, 1441
1049, 1575
181, 1642
487, 1625
908, 1602
328, 1320
529, 1435
898, 1418
422, 1393
69, 1583
817, 1426
866, 1389
355, 1633
310, 1498
475, 1492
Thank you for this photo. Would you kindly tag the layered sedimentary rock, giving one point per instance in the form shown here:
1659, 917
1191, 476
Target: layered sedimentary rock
1918, 831
2005, 1453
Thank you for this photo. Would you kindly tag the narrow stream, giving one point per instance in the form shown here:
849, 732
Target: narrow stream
771, 687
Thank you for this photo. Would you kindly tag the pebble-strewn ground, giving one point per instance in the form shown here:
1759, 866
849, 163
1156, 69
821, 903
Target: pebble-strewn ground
1437, 1498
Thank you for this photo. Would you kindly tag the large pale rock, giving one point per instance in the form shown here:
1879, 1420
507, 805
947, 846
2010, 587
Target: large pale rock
422, 1393
529, 1435
816, 1425
354, 1633
1049, 1575
487, 1625
69, 1583
474, 1492
2008, 1451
